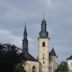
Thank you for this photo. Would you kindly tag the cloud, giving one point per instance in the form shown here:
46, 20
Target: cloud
7, 37
52, 4
16, 14
58, 12
49, 3
4, 32
9, 11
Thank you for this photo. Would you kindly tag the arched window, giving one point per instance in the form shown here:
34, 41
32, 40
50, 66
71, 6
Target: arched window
33, 69
43, 44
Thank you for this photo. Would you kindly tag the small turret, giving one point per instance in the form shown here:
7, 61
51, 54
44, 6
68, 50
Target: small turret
53, 52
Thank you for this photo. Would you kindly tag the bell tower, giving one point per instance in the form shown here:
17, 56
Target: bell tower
43, 51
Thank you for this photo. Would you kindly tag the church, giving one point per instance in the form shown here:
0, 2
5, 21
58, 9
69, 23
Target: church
46, 61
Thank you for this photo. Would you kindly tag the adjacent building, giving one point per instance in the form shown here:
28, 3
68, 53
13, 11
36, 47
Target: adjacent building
69, 62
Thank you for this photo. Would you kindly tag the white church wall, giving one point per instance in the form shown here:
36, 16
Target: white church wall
29, 65
69, 62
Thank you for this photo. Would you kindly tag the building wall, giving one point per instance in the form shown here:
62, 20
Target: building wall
53, 64
43, 54
69, 62
29, 65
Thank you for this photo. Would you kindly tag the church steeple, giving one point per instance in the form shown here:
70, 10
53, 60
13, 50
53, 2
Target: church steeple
25, 41
43, 25
43, 47
43, 33
25, 33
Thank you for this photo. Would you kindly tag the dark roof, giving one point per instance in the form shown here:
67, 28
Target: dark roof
27, 56
43, 33
25, 30
69, 58
52, 53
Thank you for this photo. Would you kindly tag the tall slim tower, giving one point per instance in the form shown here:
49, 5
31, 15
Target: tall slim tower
43, 41
25, 41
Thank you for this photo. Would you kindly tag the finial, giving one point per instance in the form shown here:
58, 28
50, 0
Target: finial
25, 24
25, 30
43, 16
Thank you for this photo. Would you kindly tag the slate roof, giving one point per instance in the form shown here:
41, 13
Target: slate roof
27, 56
69, 58
23, 56
52, 53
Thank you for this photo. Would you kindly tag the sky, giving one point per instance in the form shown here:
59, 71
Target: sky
14, 14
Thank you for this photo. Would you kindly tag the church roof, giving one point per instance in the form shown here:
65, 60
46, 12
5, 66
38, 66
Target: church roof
28, 56
52, 53
43, 33
69, 58
25, 30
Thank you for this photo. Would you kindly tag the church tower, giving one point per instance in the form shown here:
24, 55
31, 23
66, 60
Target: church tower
43, 42
25, 41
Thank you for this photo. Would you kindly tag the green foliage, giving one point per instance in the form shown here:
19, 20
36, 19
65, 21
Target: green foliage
19, 68
62, 67
9, 58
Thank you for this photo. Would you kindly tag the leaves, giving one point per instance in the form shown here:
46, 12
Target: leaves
19, 68
62, 67
8, 57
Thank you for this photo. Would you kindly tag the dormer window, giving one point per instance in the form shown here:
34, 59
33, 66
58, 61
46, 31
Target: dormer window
43, 44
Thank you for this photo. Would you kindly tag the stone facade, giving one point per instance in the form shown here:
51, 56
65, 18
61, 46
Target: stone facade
32, 66
43, 54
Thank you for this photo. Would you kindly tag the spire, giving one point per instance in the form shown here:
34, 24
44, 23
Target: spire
43, 25
43, 33
43, 18
25, 41
25, 33
53, 52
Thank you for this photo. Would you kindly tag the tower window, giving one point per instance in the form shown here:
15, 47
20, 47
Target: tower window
43, 44
43, 62
43, 57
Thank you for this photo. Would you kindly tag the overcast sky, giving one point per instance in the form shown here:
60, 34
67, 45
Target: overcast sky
14, 14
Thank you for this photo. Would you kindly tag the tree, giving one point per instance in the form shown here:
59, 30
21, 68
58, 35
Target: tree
9, 57
63, 67
19, 68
